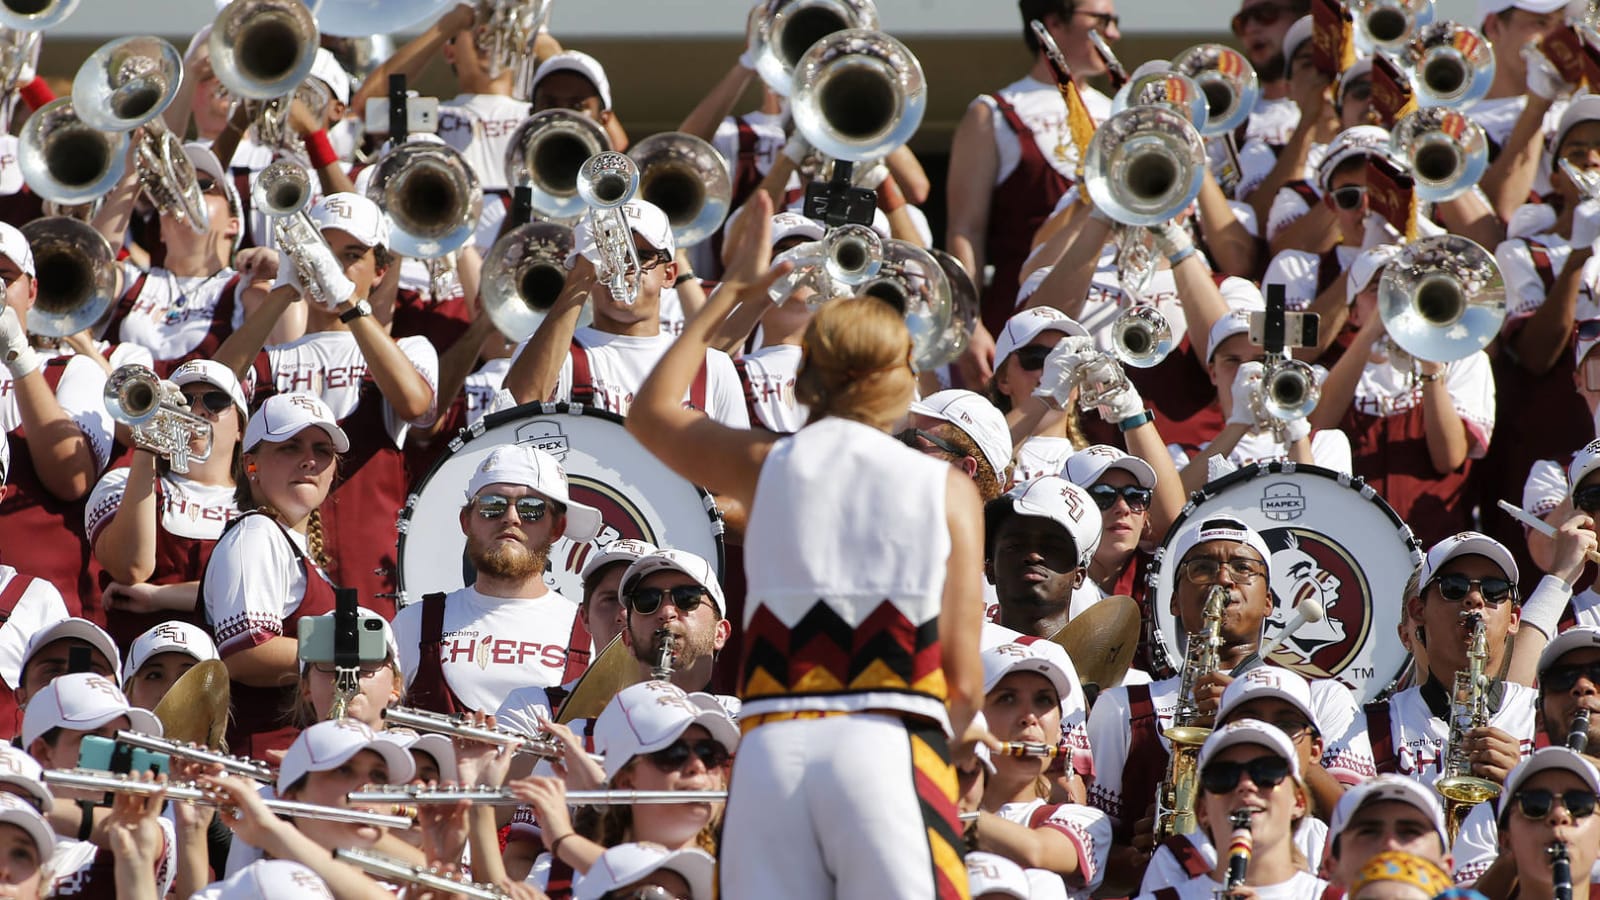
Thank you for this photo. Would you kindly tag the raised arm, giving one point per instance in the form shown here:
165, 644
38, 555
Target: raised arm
533, 374
718, 103
413, 56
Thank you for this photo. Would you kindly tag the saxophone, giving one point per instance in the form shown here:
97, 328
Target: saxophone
1175, 798
1469, 709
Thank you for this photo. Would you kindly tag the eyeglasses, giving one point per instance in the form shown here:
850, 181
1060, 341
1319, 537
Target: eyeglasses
1455, 588
529, 509
1587, 498
1535, 803
656, 258
368, 669
649, 892
1267, 14
686, 597
1103, 21
1105, 496
214, 401
1266, 773
1562, 678
672, 757
911, 436
1349, 196
1032, 358
204, 182
1242, 569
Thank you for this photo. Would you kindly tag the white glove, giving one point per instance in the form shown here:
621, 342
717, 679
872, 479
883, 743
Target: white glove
1245, 384
1586, 223
1294, 429
1056, 382
325, 269
288, 273
747, 60
871, 177
1172, 239
1543, 80
1122, 404
19, 358
797, 149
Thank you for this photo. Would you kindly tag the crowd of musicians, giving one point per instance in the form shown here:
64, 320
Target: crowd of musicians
966, 638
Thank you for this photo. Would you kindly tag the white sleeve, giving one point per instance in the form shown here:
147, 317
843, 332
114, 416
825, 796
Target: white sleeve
1090, 832
425, 360
1330, 449
407, 626
81, 394
1296, 270
104, 501
1477, 844
1246, 216
247, 584
522, 710
1347, 752
1545, 487
1110, 733
724, 395
1180, 456
39, 607
1471, 385
1287, 206
1524, 288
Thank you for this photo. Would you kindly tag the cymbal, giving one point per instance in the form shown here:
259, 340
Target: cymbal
1102, 639
612, 671
195, 708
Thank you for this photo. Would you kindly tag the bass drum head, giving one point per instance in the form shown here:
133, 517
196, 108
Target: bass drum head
637, 495
1333, 539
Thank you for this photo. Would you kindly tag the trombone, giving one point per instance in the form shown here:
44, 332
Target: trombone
158, 414
546, 152
189, 792
522, 276
781, 33
1442, 298
858, 95
688, 179
77, 275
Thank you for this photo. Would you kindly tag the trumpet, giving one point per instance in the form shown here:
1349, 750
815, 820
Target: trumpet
233, 765
282, 193
1141, 336
408, 795
392, 870
546, 152
688, 179
845, 257
432, 196
263, 49
545, 746
66, 160
76, 274
1442, 299
1446, 152
1587, 181
189, 792
1144, 165
1228, 81
158, 414
781, 33
858, 95
913, 282
1289, 390
606, 183
1469, 709
506, 36
1449, 64
1097, 379
523, 274
35, 15
271, 117
1388, 25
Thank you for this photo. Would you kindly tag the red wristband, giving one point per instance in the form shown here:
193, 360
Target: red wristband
36, 93
320, 149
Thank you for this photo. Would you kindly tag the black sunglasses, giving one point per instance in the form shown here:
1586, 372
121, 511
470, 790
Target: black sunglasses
1032, 357
686, 597
1349, 196
1266, 773
1587, 498
672, 757
911, 436
204, 182
1562, 678
1105, 496
529, 509
1455, 588
214, 401
1535, 803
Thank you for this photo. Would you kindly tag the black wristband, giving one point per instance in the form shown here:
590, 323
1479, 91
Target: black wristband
687, 276
357, 310
86, 824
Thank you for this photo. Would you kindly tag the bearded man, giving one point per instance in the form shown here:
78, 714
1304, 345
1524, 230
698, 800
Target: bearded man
467, 650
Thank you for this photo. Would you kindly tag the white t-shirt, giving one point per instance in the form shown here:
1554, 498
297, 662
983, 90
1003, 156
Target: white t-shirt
1299, 273
1545, 487
81, 393
174, 313
330, 365
1303, 886
1385, 391
1525, 290
482, 387
490, 646
1042, 109
619, 365
1330, 448
1418, 737
71, 859
1273, 121
480, 127
189, 509
1289, 204
769, 380
10, 170
253, 582
1087, 828
1041, 455
1164, 869
39, 607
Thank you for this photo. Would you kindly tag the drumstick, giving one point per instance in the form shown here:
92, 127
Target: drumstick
1538, 524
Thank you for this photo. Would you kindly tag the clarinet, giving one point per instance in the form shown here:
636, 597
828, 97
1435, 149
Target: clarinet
662, 670
1239, 846
1560, 870
1578, 734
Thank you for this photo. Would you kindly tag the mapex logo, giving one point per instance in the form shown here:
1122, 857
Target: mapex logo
1283, 502
545, 435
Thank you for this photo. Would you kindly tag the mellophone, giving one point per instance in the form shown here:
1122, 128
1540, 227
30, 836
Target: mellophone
410, 795
545, 746
189, 792
390, 869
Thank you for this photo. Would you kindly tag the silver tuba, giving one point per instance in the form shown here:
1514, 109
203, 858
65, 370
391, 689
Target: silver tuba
1449, 65
1388, 25
523, 275
76, 273
858, 95
546, 152
35, 15
963, 308
1228, 81
912, 281
784, 30
356, 18
1442, 299
263, 49
158, 414
127, 84
282, 193
1144, 165
432, 196
1445, 151
688, 179
65, 159
607, 182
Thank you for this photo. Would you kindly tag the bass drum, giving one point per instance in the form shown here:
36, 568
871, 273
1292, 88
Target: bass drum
1333, 539
637, 495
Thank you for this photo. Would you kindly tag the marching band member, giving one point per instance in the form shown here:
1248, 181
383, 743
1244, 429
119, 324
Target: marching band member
381, 685
1549, 802
967, 431
1523, 103
1388, 813
1026, 342
33, 603
1398, 875
28, 845
632, 870
1038, 542
160, 657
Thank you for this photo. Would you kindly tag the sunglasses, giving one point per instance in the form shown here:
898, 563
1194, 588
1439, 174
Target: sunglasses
529, 509
1105, 496
1587, 498
1562, 678
1241, 569
656, 258
1349, 196
649, 892
686, 597
1535, 803
672, 757
1266, 14
205, 182
1032, 358
911, 436
1293, 727
1266, 773
214, 401
1455, 588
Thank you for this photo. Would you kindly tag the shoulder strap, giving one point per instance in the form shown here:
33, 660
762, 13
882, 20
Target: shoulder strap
582, 376
12, 594
577, 647
1380, 729
1188, 855
124, 307
222, 319
1328, 269
740, 366
1305, 190
1009, 113
1166, 893
1540, 254
428, 689
53, 370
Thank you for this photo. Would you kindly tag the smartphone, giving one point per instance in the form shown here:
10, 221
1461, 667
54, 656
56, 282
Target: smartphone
108, 755
317, 639
1299, 329
422, 115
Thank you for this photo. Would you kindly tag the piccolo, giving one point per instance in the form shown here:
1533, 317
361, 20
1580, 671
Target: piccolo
1028, 748
188, 792
233, 765
402, 795
545, 747
1538, 524
394, 870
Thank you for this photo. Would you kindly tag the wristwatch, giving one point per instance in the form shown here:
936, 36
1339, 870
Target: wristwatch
357, 310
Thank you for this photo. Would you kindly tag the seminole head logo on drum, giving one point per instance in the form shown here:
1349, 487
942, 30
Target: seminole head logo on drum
1307, 565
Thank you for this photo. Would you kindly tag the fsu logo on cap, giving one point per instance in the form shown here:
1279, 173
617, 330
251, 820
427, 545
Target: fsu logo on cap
172, 633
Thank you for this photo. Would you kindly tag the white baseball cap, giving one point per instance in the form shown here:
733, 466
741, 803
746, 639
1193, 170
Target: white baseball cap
530, 467
1366, 266
215, 374
1090, 464
1054, 498
353, 214
329, 745
1263, 682
645, 218
1298, 34
15, 811
1250, 731
1220, 528
1383, 788
1490, 7
677, 561
1029, 324
283, 416
583, 64
326, 69
82, 701
1237, 321
1468, 543
1584, 461
15, 248
992, 875
269, 879
83, 630
1543, 760
438, 746
629, 863
1579, 637
787, 224
169, 637
1361, 68
977, 417
22, 771
1360, 140
622, 550
1003, 659
651, 715
1585, 108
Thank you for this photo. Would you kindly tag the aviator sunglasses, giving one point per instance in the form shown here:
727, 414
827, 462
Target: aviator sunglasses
686, 597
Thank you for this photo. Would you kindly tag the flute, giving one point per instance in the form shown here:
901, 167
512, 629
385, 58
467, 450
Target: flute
394, 870
1538, 524
493, 796
233, 765
188, 792
1560, 870
545, 747
1578, 733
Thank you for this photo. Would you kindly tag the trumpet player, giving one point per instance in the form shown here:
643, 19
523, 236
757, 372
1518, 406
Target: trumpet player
1519, 111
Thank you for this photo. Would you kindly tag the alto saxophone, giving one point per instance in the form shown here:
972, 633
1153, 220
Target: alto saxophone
1469, 709
1175, 798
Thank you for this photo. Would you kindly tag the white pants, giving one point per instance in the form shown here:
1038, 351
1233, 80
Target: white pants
858, 806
